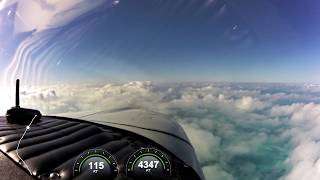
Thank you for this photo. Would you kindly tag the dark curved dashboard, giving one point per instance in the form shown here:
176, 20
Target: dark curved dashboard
52, 148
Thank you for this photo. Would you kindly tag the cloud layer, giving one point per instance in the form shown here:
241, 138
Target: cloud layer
239, 131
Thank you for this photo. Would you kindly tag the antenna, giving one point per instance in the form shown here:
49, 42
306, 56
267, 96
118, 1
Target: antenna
18, 115
17, 93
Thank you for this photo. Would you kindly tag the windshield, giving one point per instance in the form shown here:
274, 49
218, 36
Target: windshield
239, 76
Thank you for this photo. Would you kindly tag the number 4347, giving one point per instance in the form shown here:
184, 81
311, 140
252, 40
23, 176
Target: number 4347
148, 164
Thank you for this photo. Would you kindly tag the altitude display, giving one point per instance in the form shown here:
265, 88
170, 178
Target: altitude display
95, 164
147, 163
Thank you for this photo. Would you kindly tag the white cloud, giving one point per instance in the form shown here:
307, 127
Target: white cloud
207, 145
305, 133
285, 110
305, 161
216, 172
248, 103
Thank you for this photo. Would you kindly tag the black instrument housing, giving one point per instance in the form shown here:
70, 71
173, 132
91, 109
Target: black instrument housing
17, 115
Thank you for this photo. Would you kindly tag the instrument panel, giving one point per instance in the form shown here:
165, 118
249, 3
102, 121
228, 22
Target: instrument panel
145, 163
65, 149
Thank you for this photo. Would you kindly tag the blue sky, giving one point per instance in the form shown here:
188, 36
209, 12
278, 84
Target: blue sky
205, 40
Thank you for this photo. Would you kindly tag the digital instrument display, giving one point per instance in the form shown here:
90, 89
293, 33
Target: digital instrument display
147, 163
96, 164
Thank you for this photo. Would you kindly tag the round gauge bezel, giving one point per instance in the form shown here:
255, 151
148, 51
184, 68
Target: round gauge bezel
167, 171
100, 153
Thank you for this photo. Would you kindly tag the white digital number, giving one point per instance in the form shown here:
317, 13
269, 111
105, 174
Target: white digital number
148, 165
96, 165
